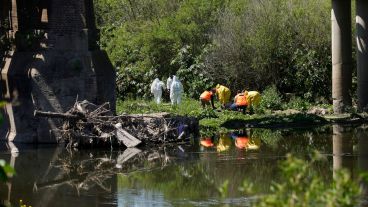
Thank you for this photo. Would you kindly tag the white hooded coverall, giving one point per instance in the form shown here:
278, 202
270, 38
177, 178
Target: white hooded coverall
156, 89
168, 83
175, 91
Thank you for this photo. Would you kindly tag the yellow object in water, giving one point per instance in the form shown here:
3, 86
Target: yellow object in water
223, 93
224, 143
253, 98
254, 144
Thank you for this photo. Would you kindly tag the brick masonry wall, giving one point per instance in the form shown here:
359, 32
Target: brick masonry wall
67, 17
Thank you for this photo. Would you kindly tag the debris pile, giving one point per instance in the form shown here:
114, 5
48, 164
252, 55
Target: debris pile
87, 124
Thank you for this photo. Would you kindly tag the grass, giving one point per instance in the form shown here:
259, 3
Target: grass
188, 107
212, 119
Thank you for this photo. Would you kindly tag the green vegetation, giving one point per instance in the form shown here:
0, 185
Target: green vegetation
264, 116
241, 44
301, 186
6, 171
2, 104
4, 40
189, 181
271, 99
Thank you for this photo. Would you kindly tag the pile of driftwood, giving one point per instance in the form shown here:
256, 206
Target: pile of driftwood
86, 124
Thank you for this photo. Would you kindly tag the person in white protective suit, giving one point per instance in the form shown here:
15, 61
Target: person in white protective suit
168, 83
176, 91
156, 90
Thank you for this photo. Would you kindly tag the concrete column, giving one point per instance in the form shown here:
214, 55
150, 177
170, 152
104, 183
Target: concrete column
362, 53
341, 54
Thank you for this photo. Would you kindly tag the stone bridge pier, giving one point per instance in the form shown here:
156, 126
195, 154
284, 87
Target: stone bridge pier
55, 60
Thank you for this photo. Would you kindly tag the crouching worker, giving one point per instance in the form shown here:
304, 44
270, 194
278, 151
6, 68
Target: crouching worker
240, 103
223, 94
207, 97
253, 99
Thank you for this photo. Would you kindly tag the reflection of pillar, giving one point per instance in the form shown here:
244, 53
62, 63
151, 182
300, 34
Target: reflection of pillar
362, 135
14, 153
14, 16
342, 145
362, 53
341, 54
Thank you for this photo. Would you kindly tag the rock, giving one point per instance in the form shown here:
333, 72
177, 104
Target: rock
318, 111
287, 112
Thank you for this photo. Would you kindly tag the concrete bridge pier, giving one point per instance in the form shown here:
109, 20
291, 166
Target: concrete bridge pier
362, 53
62, 62
341, 55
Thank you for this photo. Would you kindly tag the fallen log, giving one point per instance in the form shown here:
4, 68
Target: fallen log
49, 114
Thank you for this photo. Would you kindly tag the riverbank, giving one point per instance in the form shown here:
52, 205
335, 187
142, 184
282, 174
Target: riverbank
214, 119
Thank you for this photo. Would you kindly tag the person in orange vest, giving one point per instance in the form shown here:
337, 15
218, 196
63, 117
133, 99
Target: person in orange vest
207, 97
240, 102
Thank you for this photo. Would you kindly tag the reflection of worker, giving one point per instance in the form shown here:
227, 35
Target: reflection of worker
223, 93
240, 102
224, 142
207, 142
254, 143
243, 140
156, 88
207, 97
176, 90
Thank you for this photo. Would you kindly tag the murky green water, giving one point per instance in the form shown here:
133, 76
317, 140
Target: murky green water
184, 175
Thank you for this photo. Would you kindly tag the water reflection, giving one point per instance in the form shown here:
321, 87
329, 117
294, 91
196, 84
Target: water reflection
184, 175
362, 135
43, 180
241, 139
342, 148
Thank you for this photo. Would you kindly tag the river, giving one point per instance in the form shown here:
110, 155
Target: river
177, 175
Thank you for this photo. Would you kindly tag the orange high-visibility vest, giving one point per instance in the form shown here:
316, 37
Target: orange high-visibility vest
206, 95
241, 100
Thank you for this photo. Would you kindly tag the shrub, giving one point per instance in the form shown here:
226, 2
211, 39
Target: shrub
242, 44
271, 99
303, 186
165, 38
258, 43
192, 73
298, 104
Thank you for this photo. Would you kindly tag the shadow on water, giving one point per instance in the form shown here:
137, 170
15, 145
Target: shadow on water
176, 175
